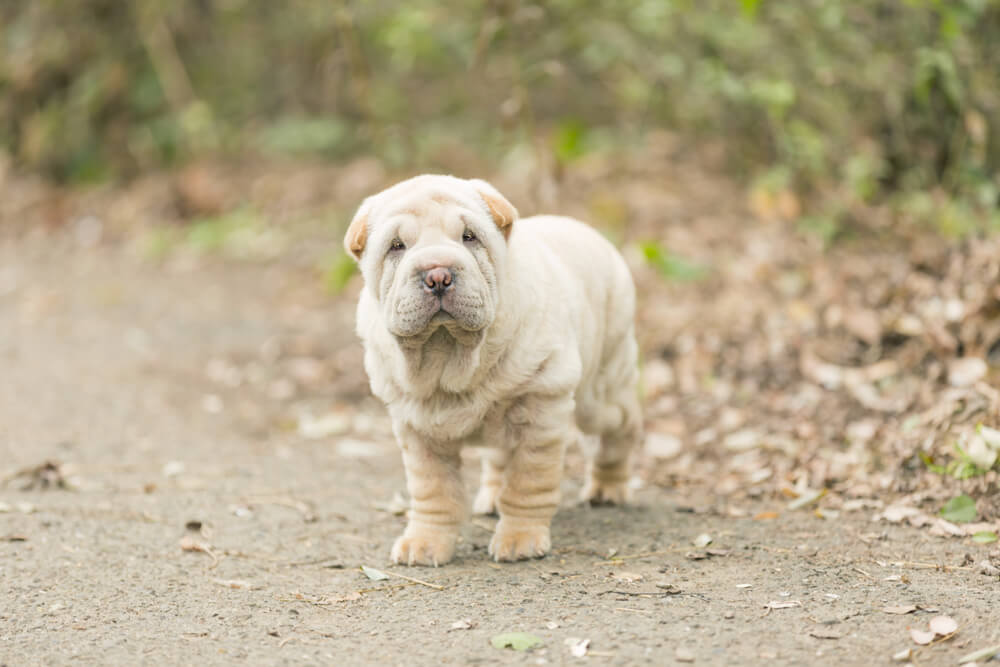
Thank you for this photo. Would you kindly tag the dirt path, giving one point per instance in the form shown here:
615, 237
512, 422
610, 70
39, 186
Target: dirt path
173, 398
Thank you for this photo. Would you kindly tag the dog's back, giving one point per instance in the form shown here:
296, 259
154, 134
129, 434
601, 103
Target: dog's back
577, 253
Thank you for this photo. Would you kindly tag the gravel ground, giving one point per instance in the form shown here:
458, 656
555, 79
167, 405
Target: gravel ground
190, 514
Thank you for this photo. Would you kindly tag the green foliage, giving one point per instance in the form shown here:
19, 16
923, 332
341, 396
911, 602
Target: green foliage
671, 266
960, 509
240, 234
339, 272
217, 233
822, 225
569, 141
873, 102
963, 467
519, 641
960, 467
304, 135
984, 537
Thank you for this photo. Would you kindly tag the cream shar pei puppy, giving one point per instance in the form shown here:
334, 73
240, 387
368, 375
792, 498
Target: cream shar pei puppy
481, 329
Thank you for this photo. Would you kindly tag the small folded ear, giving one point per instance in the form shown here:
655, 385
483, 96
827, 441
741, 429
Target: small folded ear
503, 212
357, 232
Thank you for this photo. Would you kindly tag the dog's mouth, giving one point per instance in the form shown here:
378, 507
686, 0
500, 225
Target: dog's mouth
440, 316
453, 322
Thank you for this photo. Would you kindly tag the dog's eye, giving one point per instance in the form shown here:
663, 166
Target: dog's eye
468, 236
397, 245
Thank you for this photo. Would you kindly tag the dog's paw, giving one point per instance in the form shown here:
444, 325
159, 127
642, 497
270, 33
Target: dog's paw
423, 548
519, 541
486, 500
598, 492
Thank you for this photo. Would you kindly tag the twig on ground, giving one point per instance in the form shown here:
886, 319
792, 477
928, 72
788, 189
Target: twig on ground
312, 561
284, 501
927, 566
637, 611
415, 580
661, 552
655, 594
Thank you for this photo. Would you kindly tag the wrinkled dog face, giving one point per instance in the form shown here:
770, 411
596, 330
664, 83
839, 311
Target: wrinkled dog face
431, 250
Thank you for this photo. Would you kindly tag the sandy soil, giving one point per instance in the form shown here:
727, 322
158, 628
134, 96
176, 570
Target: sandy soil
199, 522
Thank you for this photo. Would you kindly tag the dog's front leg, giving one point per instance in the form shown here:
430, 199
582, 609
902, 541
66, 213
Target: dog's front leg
530, 493
437, 501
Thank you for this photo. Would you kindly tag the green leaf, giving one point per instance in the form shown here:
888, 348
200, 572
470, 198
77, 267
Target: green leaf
984, 537
339, 272
519, 641
303, 135
929, 462
982, 654
749, 8
373, 574
960, 509
569, 141
990, 435
670, 266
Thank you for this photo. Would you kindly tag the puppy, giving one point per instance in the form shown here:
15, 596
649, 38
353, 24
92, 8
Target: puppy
481, 329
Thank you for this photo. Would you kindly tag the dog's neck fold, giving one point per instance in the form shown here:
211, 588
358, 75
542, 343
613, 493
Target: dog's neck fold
445, 358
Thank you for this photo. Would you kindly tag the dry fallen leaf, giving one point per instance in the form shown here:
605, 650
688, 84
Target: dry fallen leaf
825, 633
809, 496
313, 428
783, 605
943, 625
702, 540
683, 655
864, 323
896, 513
173, 468
981, 452
189, 543
234, 583
982, 654
577, 647
902, 609
373, 574
350, 597
987, 568
663, 445
396, 506
966, 371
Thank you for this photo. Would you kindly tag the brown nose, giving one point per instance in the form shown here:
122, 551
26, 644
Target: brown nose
437, 280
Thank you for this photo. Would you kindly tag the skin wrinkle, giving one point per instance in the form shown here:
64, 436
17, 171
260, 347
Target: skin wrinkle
533, 346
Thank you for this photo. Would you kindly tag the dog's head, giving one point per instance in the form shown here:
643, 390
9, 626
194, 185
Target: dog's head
432, 251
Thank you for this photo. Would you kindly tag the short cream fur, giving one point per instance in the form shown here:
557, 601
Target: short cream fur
531, 343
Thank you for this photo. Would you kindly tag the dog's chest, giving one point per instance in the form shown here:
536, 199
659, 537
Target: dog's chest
473, 420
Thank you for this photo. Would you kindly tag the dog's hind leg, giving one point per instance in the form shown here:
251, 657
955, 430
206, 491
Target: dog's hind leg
490, 481
618, 421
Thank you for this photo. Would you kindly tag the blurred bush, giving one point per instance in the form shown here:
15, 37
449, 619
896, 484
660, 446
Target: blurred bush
855, 99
